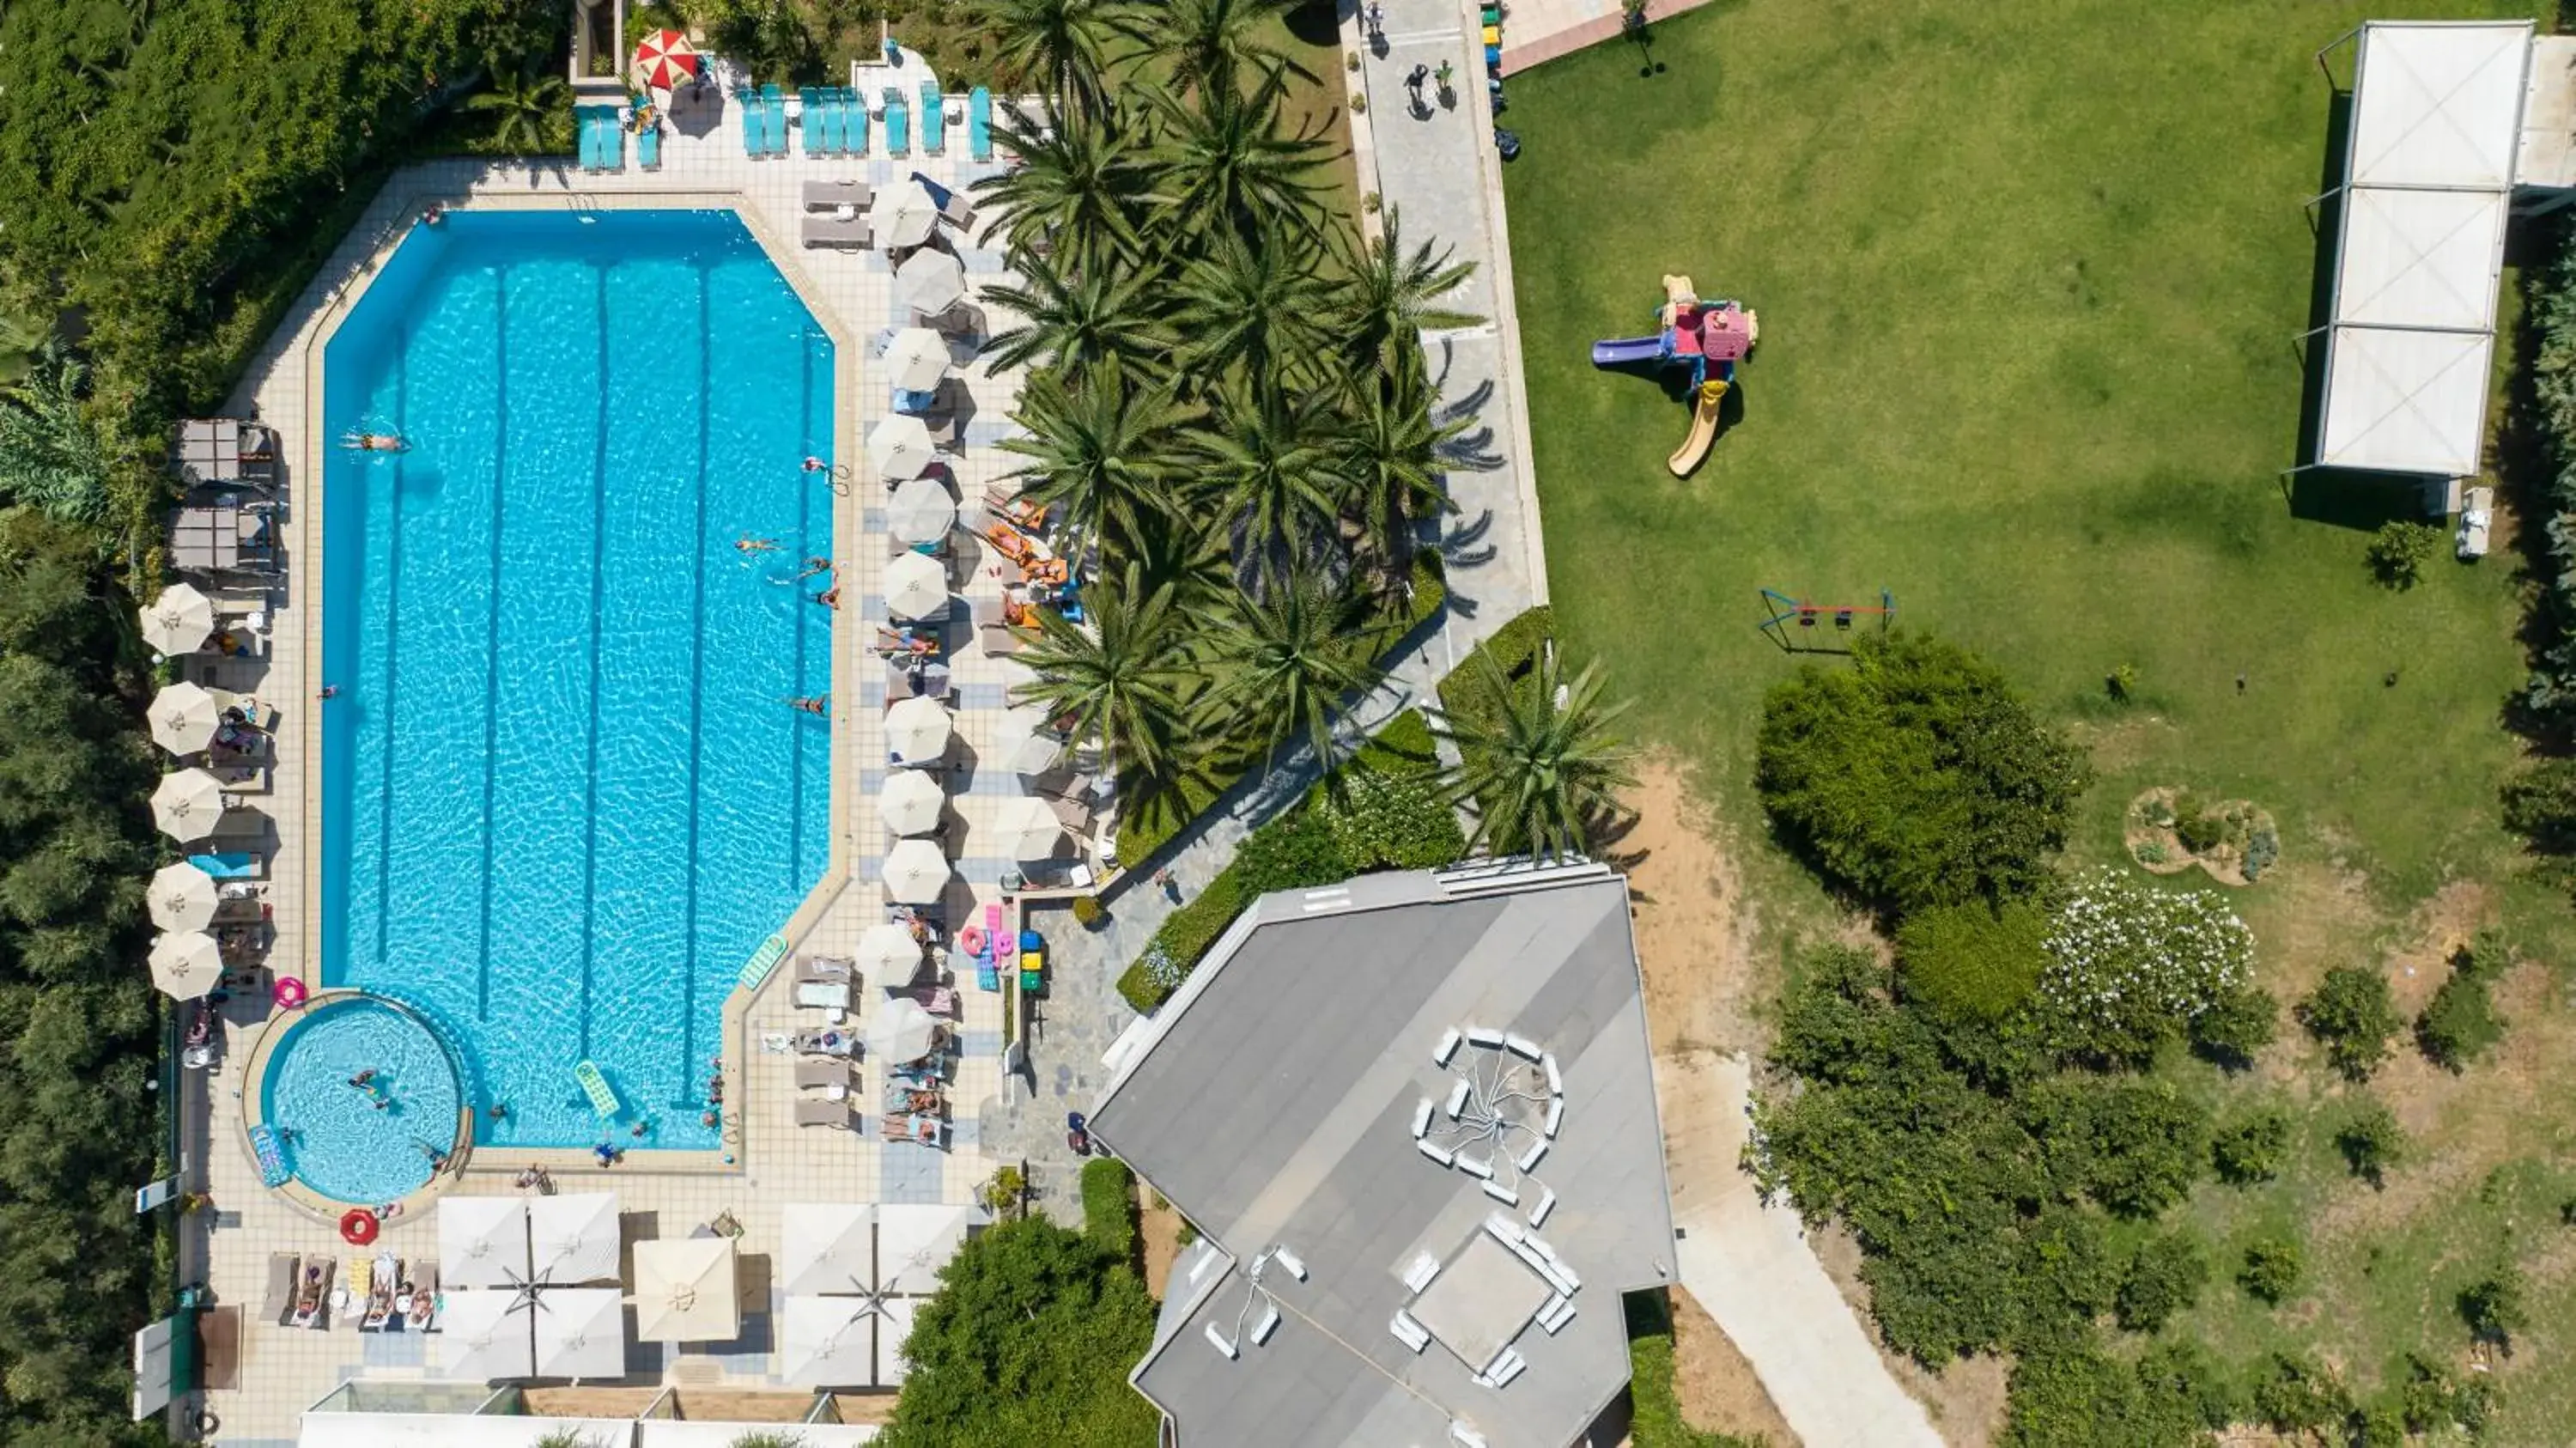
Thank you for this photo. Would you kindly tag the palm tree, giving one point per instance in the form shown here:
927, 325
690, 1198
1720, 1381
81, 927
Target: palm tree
1392, 297
1391, 453
1211, 43
1096, 449
1118, 679
531, 107
1259, 305
1079, 322
1542, 769
1273, 471
51, 457
1224, 158
1081, 183
1055, 47
1282, 665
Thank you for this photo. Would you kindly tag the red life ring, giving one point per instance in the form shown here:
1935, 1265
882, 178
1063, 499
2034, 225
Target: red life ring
358, 1226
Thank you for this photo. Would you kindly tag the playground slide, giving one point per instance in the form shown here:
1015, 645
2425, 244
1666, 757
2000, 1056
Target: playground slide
1703, 430
1627, 351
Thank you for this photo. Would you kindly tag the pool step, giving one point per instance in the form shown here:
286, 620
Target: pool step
595, 1086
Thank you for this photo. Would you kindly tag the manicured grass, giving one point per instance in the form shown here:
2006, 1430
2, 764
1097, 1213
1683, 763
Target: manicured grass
2028, 278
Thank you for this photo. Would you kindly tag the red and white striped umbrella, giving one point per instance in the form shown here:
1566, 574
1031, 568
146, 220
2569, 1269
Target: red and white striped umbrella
666, 60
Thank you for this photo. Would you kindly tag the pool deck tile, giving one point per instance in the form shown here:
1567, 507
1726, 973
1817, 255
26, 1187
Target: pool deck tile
772, 1162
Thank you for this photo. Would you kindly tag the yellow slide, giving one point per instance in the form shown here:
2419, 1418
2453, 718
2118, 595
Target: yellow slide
1703, 429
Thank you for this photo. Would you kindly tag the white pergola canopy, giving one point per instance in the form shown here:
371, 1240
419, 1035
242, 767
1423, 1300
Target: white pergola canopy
580, 1333
573, 1238
482, 1241
2429, 175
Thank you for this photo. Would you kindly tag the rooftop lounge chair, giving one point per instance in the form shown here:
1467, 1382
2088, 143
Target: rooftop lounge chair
313, 1295
979, 124
825, 968
854, 122
834, 1114
648, 148
934, 119
380, 1297
279, 1303
836, 231
422, 1310
773, 116
953, 208
898, 124
824, 995
612, 141
832, 195
832, 1076
826, 1043
809, 110
755, 130
1073, 814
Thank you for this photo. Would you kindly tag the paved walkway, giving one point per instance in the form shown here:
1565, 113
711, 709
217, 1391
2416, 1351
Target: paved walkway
1439, 172
1750, 1266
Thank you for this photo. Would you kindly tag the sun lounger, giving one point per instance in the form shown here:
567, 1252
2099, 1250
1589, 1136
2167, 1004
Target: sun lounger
773, 109
353, 1294
313, 1295
953, 208
924, 1130
235, 865
422, 1310
837, 231
380, 1294
996, 636
835, 120
979, 124
612, 140
1073, 814
824, 995
832, 1076
934, 119
833, 195
809, 103
854, 122
754, 127
279, 1303
826, 1043
898, 124
834, 1114
648, 148
825, 968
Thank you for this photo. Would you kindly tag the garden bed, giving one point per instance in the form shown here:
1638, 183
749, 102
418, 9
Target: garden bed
2168, 831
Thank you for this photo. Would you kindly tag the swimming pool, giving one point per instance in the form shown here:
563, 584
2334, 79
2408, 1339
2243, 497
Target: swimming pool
360, 1092
564, 796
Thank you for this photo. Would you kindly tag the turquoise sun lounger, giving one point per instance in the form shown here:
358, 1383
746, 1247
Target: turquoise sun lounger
979, 124
934, 120
612, 141
810, 101
773, 105
754, 126
826, 109
898, 123
587, 132
854, 115
648, 148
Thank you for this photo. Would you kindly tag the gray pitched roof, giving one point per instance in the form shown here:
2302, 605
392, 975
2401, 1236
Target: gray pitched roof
1273, 1103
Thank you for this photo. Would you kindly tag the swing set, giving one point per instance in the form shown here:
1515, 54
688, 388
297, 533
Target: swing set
1791, 622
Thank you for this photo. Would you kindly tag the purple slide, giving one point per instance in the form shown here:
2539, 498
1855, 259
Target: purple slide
1627, 351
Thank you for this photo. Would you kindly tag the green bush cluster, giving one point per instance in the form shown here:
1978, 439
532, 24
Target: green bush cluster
2351, 1015
1916, 777
2272, 1267
2371, 1141
2399, 551
2249, 1150
1465, 692
1109, 1208
2460, 1023
1972, 962
2165, 1276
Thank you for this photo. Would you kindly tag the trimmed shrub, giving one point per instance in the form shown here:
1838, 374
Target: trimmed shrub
2371, 1142
2459, 1023
2494, 1306
1972, 963
1297, 851
1109, 1207
2165, 1277
2295, 1395
2351, 1015
1392, 822
2272, 1267
2237, 1025
2249, 1151
1466, 691
2399, 551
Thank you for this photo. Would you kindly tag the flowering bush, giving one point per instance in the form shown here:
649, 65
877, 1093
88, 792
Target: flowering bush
2130, 966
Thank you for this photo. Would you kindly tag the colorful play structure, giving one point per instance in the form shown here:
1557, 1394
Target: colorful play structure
1707, 337
1791, 622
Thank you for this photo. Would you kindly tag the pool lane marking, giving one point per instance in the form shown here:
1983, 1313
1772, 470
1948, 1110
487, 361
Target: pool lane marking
598, 571
393, 626
697, 691
492, 650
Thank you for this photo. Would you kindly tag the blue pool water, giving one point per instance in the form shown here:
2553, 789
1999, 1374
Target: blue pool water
564, 796
338, 1141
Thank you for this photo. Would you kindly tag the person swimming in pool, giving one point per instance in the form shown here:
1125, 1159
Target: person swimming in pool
830, 597
814, 704
375, 442
748, 544
814, 566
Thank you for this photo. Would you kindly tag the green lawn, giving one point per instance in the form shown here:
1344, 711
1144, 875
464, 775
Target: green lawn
2028, 277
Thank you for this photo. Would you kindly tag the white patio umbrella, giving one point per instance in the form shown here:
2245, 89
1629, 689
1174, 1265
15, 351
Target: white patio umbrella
915, 1240
828, 1342
180, 619
930, 282
186, 964
184, 718
482, 1241
887, 951
486, 1335
901, 1031
916, 586
916, 730
686, 1291
827, 1247
916, 359
894, 1326
580, 1332
182, 897
1028, 828
904, 215
898, 447
573, 1238
186, 805
915, 872
921, 511
1026, 746
911, 802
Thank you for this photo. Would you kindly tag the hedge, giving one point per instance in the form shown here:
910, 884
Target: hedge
1656, 1411
1109, 1207
1281, 857
1464, 691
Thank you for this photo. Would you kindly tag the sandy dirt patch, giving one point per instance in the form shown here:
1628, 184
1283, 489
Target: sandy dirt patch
1695, 929
1160, 1228
1717, 1388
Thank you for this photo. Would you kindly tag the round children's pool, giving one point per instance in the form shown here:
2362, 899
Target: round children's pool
361, 1092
